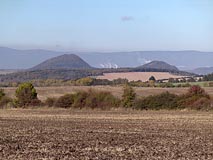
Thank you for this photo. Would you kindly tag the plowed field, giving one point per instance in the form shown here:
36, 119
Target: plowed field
66, 134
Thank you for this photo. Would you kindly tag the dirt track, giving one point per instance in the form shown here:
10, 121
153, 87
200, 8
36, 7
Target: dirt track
66, 134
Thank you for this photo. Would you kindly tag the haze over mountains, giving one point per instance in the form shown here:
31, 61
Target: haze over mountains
184, 60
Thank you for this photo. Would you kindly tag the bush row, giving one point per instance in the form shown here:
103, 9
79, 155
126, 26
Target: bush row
171, 101
85, 99
26, 95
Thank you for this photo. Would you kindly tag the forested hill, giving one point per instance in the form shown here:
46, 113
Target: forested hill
159, 65
66, 61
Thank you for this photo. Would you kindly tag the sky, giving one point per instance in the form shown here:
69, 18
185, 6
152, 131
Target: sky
107, 25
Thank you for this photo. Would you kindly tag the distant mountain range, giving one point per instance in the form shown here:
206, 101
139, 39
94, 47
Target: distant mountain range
66, 61
70, 66
202, 70
184, 60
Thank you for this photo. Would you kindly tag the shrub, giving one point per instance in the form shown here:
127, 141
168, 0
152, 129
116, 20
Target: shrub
201, 103
86, 99
80, 99
26, 95
101, 100
196, 90
162, 101
128, 96
194, 102
65, 101
195, 98
50, 102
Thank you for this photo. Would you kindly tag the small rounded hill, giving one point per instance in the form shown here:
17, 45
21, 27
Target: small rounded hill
158, 65
66, 61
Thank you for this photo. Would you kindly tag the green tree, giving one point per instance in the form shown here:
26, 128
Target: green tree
128, 96
152, 78
26, 95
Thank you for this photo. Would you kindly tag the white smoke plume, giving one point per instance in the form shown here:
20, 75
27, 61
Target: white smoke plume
109, 65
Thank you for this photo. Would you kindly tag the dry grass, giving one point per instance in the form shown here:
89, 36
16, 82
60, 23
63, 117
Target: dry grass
135, 76
71, 134
44, 92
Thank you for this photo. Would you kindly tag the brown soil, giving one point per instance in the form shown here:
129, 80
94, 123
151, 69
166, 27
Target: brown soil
67, 134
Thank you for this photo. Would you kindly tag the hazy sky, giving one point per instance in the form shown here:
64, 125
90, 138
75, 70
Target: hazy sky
107, 25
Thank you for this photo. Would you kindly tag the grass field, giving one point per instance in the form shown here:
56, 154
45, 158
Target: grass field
70, 134
44, 92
